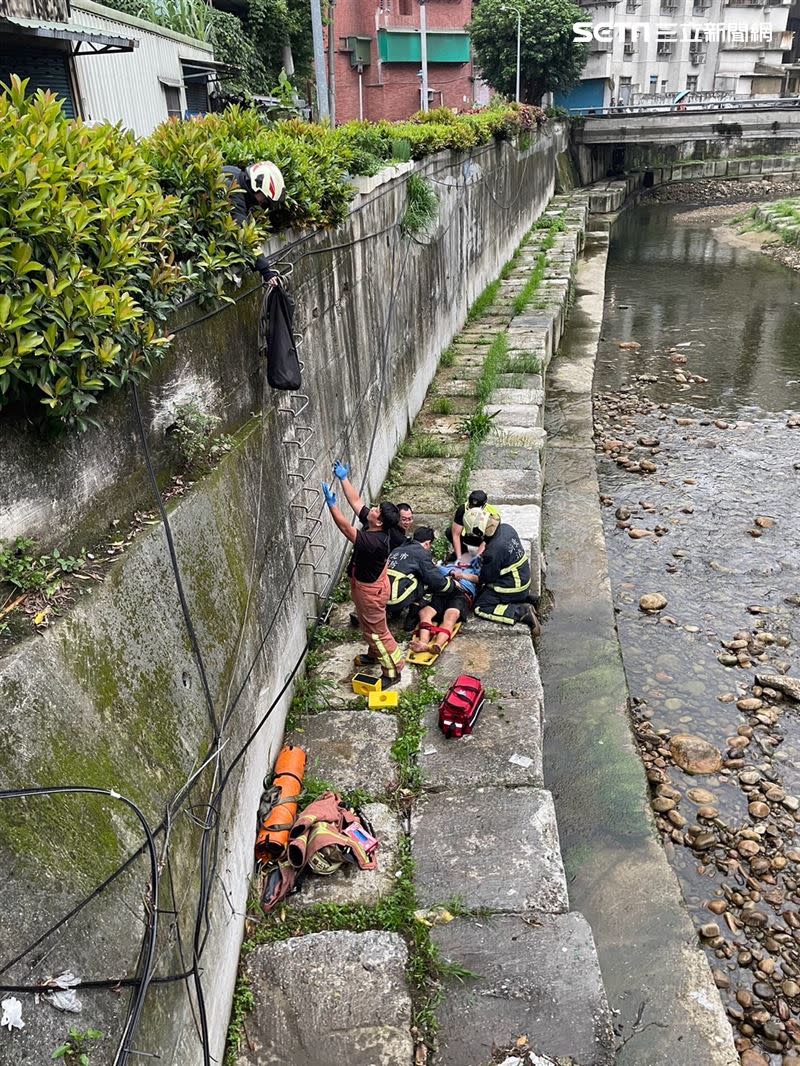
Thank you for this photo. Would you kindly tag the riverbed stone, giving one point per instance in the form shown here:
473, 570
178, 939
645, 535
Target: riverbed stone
789, 686
504, 729
694, 755
350, 884
652, 601
329, 998
349, 749
495, 848
541, 979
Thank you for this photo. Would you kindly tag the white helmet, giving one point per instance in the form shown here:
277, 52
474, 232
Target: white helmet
266, 177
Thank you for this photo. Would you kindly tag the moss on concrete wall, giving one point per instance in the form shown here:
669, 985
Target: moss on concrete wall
110, 695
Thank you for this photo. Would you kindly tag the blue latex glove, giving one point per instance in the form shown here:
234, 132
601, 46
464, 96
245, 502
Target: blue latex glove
329, 494
341, 470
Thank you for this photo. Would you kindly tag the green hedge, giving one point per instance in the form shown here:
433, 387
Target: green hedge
101, 235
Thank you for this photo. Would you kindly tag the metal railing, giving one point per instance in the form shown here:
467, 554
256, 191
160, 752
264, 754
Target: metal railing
766, 103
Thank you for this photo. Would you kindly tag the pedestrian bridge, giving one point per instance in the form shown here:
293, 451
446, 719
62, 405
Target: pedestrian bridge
611, 141
672, 123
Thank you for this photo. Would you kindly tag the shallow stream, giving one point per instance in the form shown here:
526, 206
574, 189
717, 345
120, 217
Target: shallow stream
706, 476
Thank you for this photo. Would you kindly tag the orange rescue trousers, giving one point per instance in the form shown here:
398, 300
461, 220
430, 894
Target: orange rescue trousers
370, 601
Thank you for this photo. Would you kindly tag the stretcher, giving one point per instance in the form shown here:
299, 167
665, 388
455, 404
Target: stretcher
429, 656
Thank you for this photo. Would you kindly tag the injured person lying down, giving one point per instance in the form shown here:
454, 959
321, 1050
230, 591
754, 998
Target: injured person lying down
440, 618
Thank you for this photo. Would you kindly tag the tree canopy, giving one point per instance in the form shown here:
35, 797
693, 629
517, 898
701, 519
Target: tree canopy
549, 58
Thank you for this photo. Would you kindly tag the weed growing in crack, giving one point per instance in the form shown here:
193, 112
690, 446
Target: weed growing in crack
484, 301
426, 447
448, 357
521, 364
442, 405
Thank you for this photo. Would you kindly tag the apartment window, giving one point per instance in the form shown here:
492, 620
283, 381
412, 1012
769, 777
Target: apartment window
653, 83
173, 97
405, 7
691, 83
664, 84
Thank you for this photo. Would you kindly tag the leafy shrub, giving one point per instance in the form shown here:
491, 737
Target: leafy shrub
94, 251
25, 570
102, 235
422, 206
211, 248
194, 432
84, 267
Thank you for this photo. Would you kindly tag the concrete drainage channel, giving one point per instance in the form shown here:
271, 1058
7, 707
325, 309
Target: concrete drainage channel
461, 948
658, 981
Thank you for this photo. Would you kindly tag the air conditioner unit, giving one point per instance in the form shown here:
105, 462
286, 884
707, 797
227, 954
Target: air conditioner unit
664, 49
697, 58
629, 48
359, 48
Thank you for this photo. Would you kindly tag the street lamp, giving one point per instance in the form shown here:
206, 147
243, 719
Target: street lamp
517, 11
423, 50
519, 39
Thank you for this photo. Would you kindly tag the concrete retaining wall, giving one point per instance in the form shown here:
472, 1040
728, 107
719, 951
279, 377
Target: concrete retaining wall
610, 194
111, 696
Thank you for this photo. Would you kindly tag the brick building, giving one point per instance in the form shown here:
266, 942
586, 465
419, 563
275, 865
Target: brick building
378, 45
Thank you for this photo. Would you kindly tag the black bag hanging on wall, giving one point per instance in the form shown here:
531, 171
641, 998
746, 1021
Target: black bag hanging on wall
283, 365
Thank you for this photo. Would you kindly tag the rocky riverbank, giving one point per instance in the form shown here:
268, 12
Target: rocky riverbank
697, 458
722, 190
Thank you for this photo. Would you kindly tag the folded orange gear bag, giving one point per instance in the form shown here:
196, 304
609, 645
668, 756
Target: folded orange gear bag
287, 784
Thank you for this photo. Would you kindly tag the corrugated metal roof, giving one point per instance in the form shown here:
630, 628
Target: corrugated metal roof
70, 32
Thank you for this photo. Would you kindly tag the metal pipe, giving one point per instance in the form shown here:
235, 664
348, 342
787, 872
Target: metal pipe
423, 49
361, 92
331, 62
319, 62
519, 39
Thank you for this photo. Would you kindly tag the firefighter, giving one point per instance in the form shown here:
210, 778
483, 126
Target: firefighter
505, 575
369, 581
412, 573
467, 544
259, 185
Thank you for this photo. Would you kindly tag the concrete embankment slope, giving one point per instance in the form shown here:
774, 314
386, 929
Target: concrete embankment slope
658, 981
516, 964
110, 694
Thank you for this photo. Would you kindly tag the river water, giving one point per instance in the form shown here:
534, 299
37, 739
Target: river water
719, 498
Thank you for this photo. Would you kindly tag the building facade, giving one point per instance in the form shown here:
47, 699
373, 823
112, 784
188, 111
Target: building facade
106, 66
377, 57
654, 49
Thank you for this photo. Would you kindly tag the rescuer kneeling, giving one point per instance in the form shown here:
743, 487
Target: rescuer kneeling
505, 574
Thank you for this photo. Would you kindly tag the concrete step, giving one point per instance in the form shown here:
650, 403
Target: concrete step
351, 749
501, 656
516, 417
505, 728
495, 849
509, 486
350, 884
329, 998
536, 978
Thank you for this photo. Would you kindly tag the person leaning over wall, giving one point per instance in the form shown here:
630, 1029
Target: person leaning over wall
369, 581
259, 185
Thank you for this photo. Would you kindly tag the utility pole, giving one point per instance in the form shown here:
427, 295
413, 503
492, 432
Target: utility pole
519, 38
423, 49
319, 61
332, 62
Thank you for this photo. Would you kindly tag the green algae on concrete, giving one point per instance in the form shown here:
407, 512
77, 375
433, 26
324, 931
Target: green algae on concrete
658, 981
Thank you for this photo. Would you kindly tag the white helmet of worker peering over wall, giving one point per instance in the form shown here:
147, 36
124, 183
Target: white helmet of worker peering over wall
266, 178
